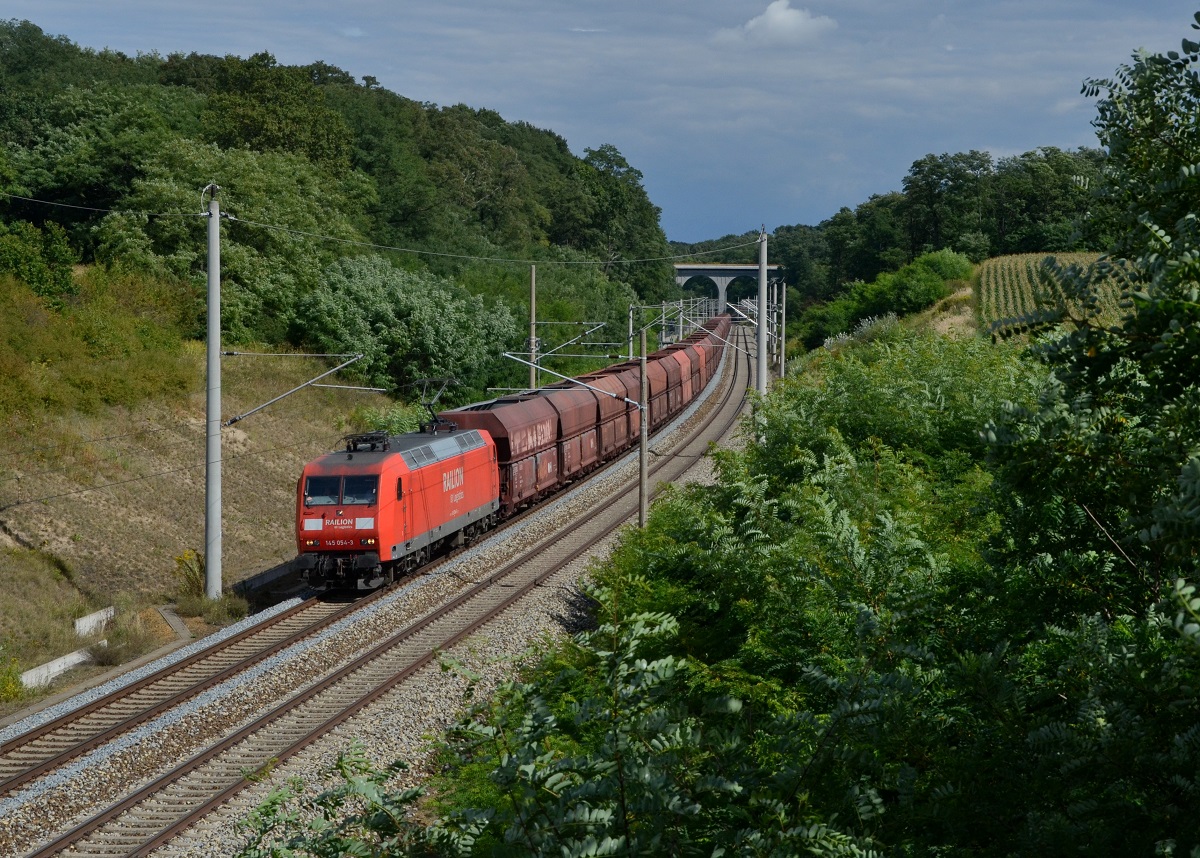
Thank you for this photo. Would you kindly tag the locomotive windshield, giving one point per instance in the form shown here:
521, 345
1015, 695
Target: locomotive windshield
322, 490
360, 490
353, 490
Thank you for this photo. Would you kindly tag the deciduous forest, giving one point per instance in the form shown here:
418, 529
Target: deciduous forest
942, 601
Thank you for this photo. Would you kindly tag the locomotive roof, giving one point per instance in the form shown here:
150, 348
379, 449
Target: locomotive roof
419, 448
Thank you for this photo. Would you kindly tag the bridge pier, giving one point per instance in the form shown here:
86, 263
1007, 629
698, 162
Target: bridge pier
722, 274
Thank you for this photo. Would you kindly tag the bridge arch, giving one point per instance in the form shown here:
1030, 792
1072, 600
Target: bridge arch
700, 285
722, 275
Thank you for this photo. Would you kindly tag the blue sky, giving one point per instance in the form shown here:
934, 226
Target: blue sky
739, 113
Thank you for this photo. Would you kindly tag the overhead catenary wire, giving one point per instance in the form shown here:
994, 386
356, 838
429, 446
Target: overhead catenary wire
33, 451
102, 487
99, 210
225, 215
475, 258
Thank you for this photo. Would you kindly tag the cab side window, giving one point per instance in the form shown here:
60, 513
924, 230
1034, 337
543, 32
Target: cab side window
399, 488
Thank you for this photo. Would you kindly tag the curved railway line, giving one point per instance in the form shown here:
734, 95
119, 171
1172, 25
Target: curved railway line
148, 814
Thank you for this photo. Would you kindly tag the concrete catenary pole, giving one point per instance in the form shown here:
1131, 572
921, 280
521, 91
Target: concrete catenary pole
762, 312
212, 472
631, 332
773, 331
533, 343
783, 330
643, 458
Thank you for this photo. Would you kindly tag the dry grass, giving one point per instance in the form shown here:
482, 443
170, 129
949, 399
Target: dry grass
38, 607
953, 316
115, 496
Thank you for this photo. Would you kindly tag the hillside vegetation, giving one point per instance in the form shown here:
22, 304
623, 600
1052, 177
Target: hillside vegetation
942, 602
357, 222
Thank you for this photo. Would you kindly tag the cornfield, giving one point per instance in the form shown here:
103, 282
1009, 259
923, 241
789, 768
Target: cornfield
1009, 287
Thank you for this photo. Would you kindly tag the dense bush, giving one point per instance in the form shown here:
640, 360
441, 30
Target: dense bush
41, 258
913, 287
409, 326
116, 342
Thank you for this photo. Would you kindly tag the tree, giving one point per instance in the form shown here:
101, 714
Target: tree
1146, 119
93, 143
625, 225
946, 196
408, 325
881, 238
387, 130
262, 105
1115, 433
1044, 200
267, 260
41, 258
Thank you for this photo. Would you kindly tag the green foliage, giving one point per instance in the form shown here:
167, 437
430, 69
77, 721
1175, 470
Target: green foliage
1143, 119
1113, 440
258, 104
264, 270
625, 222
91, 142
302, 153
619, 765
355, 815
916, 391
11, 687
387, 130
947, 264
395, 419
409, 326
1046, 200
114, 343
913, 287
40, 258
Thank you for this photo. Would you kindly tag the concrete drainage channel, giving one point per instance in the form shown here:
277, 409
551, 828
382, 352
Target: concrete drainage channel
43, 675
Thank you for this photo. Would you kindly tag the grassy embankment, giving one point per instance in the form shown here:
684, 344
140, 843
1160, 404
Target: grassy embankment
103, 444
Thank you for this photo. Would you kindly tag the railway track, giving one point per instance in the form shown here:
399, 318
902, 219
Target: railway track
69, 736
158, 810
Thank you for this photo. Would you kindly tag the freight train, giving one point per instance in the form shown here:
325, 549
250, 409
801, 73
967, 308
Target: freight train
383, 505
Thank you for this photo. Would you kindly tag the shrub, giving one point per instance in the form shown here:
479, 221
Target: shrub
11, 687
395, 419
41, 259
192, 601
947, 264
229, 608
190, 573
915, 287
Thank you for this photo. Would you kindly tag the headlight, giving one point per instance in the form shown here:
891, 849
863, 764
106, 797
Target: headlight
370, 540
312, 543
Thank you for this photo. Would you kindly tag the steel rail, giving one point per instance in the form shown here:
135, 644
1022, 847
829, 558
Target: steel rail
348, 711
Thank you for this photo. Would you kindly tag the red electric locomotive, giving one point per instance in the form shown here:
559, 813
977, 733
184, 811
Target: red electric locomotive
383, 505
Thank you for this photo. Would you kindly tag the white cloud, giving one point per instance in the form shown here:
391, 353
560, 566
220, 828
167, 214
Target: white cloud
780, 24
